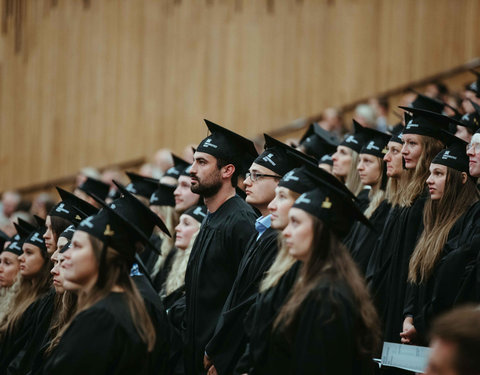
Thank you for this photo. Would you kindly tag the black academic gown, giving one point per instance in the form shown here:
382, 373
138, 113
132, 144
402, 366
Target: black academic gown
259, 321
100, 340
362, 239
363, 199
41, 320
14, 342
257, 260
321, 339
445, 287
211, 271
162, 275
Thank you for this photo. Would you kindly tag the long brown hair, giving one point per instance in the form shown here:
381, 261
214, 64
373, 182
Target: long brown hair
117, 275
330, 261
283, 261
64, 309
439, 216
29, 290
418, 176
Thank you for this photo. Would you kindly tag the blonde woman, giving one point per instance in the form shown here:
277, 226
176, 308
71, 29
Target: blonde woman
9, 275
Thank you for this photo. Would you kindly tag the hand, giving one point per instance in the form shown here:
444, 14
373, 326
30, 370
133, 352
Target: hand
212, 370
206, 362
409, 332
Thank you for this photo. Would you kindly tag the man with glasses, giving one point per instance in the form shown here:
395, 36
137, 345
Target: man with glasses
260, 183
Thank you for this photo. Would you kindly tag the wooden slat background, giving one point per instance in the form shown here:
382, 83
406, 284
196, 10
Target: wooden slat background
98, 82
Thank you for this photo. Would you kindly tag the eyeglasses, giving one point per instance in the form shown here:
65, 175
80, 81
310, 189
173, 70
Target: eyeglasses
254, 176
475, 146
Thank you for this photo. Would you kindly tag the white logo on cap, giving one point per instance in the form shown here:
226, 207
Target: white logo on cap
113, 206
173, 170
14, 246
351, 139
131, 189
36, 238
208, 143
269, 159
446, 155
290, 176
61, 208
198, 211
474, 85
303, 199
154, 197
411, 124
87, 222
71, 228
371, 146
465, 117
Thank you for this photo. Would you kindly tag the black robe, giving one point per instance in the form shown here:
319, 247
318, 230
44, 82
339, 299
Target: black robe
14, 342
100, 340
388, 266
362, 239
211, 271
257, 260
321, 338
259, 321
41, 320
162, 275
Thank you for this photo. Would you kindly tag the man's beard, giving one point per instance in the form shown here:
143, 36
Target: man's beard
207, 189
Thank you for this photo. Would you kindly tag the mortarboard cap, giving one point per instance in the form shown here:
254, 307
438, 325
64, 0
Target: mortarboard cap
297, 180
225, 144
276, 157
3, 238
197, 212
163, 196
24, 228
326, 159
455, 155
474, 86
425, 102
15, 246
97, 187
376, 144
356, 140
318, 142
36, 238
140, 185
72, 208
472, 120
179, 166
68, 233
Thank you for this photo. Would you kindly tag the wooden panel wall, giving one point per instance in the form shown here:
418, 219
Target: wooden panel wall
104, 81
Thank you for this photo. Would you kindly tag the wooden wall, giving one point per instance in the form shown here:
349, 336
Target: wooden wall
97, 82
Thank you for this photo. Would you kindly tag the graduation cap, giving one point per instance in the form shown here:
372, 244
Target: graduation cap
65, 247
141, 216
3, 238
376, 144
474, 86
197, 212
297, 180
333, 207
72, 208
141, 185
455, 155
425, 102
24, 228
179, 166
36, 238
224, 144
97, 187
356, 140
326, 159
318, 142
397, 135
428, 123
163, 196
15, 246
113, 230
40, 221
186, 171
68, 233
472, 120
277, 158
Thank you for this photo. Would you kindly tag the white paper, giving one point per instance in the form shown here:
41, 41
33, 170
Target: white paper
407, 357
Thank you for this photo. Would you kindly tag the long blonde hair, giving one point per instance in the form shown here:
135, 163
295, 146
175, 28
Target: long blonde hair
176, 276
115, 272
417, 177
283, 261
439, 216
29, 290
395, 187
353, 181
7, 296
170, 218
376, 194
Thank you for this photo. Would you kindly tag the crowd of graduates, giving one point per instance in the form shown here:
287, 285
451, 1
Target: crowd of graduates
302, 259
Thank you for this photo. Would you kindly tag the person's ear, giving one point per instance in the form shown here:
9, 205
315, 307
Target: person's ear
464, 177
227, 171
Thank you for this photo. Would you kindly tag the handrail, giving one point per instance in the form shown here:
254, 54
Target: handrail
301, 123
70, 179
